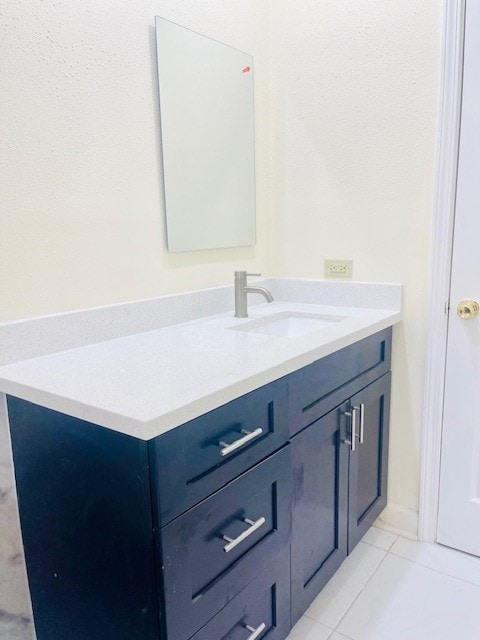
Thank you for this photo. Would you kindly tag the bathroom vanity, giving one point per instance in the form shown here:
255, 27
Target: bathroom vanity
224, 526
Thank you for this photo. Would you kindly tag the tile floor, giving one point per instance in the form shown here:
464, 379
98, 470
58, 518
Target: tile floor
391, 588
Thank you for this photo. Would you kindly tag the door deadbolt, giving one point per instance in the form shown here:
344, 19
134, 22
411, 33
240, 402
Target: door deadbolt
467, 309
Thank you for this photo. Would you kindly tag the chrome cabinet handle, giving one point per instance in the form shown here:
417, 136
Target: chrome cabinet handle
233, 542
361, 408
255, 632
226, 448
352, 442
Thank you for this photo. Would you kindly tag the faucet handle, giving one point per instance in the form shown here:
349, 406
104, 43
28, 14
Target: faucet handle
244, 274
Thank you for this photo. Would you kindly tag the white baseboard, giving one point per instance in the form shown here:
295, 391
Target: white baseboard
399, 520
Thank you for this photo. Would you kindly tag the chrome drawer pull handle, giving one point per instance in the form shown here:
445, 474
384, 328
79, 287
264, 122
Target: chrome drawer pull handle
232, 543
255, 632
248, 435
361, 408
352, 415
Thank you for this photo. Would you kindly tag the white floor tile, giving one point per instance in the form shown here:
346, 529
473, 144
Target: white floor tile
335, 599
308, 629
379, 538
405, 601
454, 563
338, 636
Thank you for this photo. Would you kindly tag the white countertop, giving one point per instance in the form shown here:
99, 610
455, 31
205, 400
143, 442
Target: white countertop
148, 383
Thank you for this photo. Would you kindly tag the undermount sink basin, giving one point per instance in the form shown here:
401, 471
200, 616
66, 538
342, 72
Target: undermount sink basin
289, 324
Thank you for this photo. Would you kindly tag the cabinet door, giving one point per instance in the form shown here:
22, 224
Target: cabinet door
320, 505
370, 410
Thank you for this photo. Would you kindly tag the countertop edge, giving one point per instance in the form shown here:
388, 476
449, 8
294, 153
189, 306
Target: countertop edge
178, 416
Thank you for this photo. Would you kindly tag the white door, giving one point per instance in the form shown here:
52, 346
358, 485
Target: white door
459, 505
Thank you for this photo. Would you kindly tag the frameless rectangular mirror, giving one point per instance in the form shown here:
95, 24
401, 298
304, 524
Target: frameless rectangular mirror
207, 125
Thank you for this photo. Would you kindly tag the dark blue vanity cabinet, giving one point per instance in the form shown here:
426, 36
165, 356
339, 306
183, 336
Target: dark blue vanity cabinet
225, 528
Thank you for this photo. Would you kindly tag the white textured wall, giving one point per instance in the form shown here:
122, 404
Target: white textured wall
355, 96
81, 213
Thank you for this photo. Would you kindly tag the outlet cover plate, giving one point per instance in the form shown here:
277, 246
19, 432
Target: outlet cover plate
338, 268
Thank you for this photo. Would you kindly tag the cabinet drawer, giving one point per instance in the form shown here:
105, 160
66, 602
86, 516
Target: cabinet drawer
195, 460
214, 550
262, 606
320, 387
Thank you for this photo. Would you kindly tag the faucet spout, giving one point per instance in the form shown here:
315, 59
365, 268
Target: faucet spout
241, 290
264, 292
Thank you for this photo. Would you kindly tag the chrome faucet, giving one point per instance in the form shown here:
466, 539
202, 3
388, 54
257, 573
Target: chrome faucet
241, 290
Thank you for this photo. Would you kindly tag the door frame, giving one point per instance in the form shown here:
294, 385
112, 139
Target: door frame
441, 263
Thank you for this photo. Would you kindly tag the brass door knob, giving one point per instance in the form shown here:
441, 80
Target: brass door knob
467, 309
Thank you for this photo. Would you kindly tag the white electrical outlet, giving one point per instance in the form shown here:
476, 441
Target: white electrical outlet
338, 268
